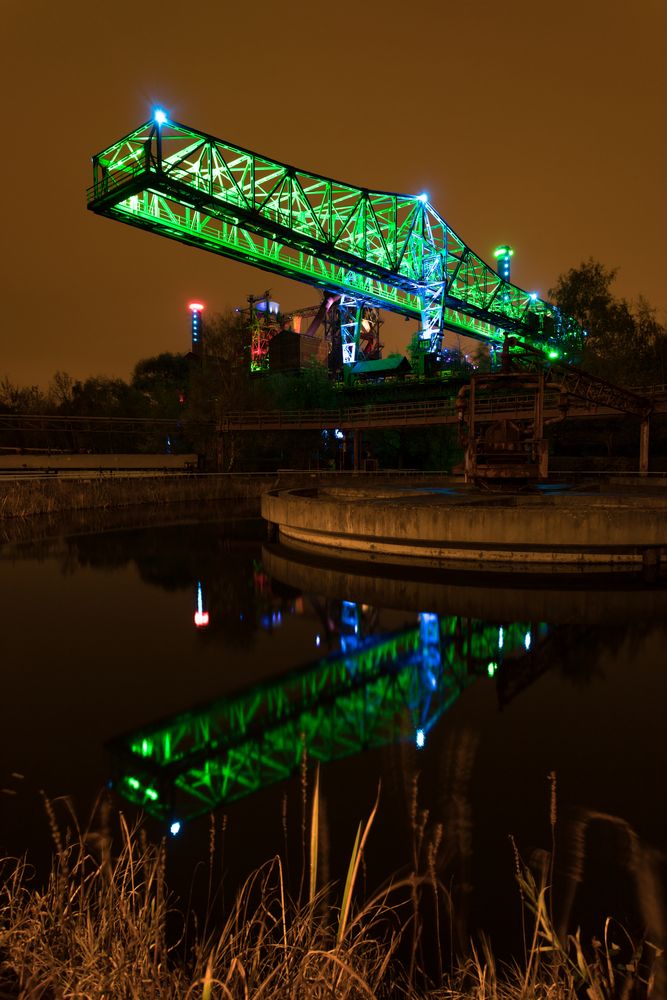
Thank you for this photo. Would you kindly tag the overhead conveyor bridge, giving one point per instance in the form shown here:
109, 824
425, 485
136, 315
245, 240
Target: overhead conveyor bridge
372, 248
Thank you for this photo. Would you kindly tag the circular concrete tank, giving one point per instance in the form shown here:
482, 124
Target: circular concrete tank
457, 526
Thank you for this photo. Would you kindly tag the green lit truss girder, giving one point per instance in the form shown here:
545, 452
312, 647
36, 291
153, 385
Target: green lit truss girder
380, 249
387, 689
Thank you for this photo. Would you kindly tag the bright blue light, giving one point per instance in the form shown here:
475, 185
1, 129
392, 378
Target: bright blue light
175, 828
533, 296
501, 637
159, 116
420, 739
423, 198
318, 640
527, 640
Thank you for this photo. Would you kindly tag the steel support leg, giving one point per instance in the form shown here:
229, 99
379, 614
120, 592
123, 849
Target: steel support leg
350, 311
433, 308
644, 446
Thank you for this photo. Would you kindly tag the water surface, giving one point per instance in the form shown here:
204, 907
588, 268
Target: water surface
504, 684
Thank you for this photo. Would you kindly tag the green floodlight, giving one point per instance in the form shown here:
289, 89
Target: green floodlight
503, 251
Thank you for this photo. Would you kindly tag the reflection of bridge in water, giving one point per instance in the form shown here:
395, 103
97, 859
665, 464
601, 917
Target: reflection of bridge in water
376, 691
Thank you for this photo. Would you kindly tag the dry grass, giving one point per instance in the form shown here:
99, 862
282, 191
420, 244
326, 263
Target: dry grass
104, 926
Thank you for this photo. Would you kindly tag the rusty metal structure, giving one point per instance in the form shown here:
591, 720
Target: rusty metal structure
511, 447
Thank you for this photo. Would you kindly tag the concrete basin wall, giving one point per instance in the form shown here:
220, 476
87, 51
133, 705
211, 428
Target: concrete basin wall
447, 525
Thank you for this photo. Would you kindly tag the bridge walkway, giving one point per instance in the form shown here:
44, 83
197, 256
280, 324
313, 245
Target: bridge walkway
423, 413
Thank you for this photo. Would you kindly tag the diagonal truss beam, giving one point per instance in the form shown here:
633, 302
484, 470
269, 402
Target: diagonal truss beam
381, 249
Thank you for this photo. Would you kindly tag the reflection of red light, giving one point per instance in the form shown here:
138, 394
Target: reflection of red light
196, 307
201, 619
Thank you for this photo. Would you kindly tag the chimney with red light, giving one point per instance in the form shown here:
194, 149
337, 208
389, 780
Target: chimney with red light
196, 309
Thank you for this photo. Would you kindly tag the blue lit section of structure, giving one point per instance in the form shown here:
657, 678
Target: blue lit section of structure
350, 637
430, 674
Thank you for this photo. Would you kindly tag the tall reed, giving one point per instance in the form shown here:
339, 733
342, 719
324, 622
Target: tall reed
103, 927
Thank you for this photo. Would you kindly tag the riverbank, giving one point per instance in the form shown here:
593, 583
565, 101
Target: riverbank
38, 506
103, 926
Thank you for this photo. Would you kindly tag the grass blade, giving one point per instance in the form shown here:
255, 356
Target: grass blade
314, 835
353, 868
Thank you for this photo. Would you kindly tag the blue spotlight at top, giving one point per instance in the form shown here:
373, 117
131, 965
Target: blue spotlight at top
423, 197
175, 828
159, 116
533, 296
420, 739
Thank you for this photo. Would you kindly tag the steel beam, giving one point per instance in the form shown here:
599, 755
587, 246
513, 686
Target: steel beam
386, 250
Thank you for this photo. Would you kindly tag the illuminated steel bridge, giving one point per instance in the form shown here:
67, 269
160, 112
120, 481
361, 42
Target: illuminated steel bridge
371, 248
377, 691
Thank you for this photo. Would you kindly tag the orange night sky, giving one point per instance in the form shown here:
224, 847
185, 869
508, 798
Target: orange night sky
537, 124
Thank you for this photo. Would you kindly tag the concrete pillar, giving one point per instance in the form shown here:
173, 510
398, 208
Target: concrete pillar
643, 446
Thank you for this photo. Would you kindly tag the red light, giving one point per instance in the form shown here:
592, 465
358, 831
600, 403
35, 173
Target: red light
196, 307
201, 619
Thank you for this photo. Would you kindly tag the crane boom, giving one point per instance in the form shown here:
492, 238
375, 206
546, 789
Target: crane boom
392, 251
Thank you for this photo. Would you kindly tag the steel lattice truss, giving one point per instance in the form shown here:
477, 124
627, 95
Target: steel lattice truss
583, 385
375, 248
384, 690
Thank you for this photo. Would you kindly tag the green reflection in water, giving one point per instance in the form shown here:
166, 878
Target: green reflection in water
376, 691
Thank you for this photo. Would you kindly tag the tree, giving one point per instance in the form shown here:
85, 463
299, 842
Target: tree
624, 343
61, 391
21, 399
311, 388
585, 293
100, 396
220, 379
163, 381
